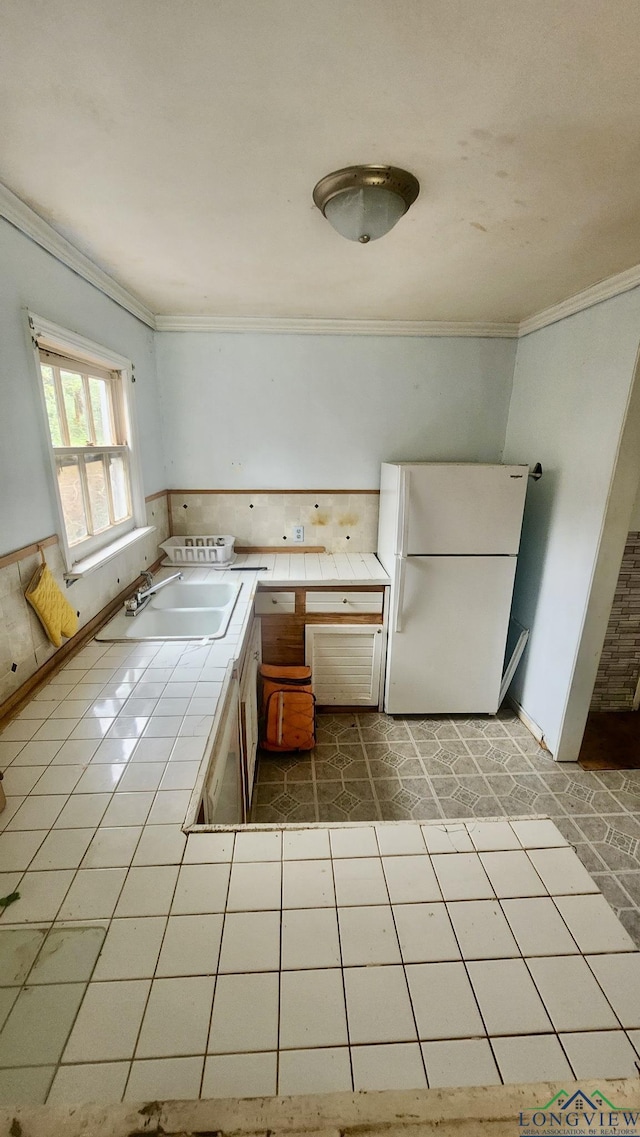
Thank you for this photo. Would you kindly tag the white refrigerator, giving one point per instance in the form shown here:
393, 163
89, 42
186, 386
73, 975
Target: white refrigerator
448, 537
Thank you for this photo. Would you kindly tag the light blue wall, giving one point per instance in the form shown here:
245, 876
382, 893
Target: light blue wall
571, 385
32, 278
258, 411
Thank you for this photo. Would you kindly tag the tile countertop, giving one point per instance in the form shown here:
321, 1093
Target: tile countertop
122, 734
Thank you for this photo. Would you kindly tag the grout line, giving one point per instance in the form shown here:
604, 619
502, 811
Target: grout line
217, 970
344, 986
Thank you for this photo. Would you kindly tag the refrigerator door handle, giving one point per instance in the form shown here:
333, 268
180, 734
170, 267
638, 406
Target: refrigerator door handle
403, 513
399, 596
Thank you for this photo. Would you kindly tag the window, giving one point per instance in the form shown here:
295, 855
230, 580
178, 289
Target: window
89, 415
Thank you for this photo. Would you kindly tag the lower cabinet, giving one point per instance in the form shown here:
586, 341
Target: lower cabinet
346, 663
223, 798
249, 711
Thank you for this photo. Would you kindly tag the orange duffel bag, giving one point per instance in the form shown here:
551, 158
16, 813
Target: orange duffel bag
288, 708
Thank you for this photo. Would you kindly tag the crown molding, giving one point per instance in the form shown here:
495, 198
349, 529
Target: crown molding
320, 327
595, 294
29, 222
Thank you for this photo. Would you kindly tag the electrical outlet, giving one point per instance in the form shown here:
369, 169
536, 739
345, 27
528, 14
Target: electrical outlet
298, 534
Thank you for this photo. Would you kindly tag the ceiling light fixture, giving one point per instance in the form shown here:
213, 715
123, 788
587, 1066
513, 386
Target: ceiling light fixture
365, 202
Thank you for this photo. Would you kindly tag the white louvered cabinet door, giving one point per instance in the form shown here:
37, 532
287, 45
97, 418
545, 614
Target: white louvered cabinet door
345, 662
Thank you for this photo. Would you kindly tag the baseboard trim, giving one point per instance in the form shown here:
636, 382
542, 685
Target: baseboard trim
531, 726
22, 694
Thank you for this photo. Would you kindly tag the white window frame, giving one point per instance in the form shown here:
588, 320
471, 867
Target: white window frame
95, 549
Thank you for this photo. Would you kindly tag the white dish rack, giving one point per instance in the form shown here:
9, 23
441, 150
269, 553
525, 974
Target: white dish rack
206, 549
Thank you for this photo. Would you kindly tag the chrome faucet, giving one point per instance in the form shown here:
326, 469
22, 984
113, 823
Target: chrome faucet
142, 596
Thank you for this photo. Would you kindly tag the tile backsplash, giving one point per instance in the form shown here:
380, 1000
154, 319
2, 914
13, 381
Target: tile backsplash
342, 522
23, 641
619, 667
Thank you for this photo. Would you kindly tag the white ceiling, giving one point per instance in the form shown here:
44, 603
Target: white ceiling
177, 142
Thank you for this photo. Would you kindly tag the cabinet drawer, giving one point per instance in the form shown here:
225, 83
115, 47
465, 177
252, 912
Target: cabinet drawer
344, 601
269, 603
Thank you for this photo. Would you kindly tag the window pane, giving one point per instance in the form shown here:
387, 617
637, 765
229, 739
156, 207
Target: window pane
72, 502
100, 394
94, 465
74, 405
119, 475
52, 406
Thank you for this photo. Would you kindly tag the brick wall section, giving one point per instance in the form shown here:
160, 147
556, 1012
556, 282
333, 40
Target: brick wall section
620, 661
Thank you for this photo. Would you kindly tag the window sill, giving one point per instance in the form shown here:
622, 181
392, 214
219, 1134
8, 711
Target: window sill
97, 560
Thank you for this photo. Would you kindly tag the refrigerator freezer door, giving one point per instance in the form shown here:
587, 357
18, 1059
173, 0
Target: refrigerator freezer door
465, 509
448, 657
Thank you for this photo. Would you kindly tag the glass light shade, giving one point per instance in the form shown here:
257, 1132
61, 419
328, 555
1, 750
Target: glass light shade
364, 214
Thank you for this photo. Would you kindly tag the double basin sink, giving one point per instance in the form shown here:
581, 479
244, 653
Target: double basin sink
183, 610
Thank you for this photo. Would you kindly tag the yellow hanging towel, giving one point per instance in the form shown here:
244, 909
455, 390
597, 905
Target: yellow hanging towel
54, 611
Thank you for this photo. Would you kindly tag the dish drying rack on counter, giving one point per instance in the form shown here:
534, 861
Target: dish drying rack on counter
202, 549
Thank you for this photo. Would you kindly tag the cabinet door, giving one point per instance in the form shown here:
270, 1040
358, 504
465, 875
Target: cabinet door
223, 797
249, 710
345, 663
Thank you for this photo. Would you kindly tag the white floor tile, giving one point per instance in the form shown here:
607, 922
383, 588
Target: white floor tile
255, 887
561, 871
20, 780
531, 1058
147, 891
98, 1082
593, 924
21, 729
25, 1086
245, 1014
425, 933
83, 811
251, 942
538, 927
115, 750
490, 836
160, 845
8, 996
394, 1066
460, 1062
131, 949
55, 780
41, 894
541, 834
18, 949
441, 837
37, 812
360, 881
240, 1075
307, 884
180, 776
305, 844
206, 848
25, 1040
266, 846
68, 955
201, 889
112, 848
507, 997
368, 936
310, 939
38, 753
481, 929
191, 946
93, 894
314, 1071
571, 995
99, 779
462, 877
619, 977
312, 1009
601, 1054
399, 840
128, 809
411, 879
17, 850
512, 874
357, 842
108, 1021
177, 1017
443, 1001
378, 1005
168, 1079
63, 849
